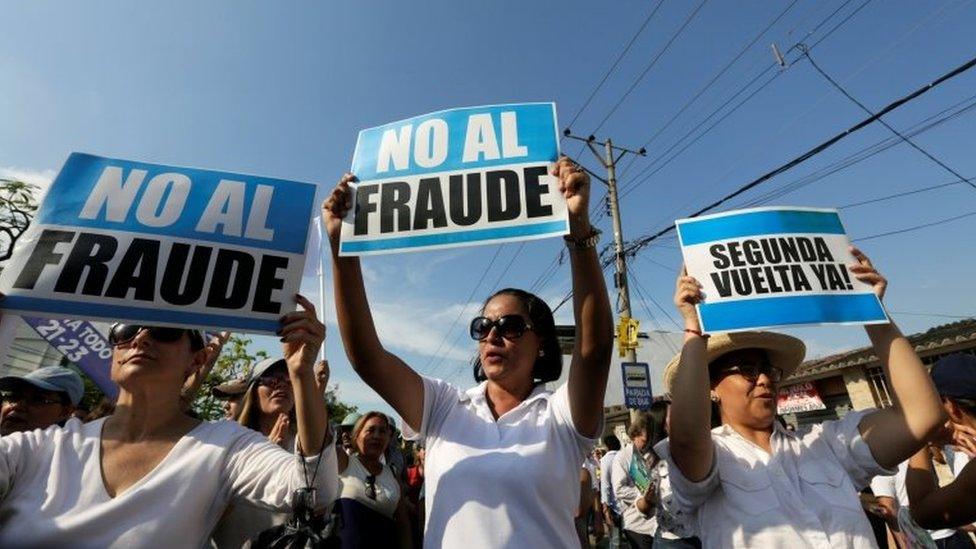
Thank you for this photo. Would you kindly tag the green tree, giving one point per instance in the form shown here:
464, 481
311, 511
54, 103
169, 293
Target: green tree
235, 362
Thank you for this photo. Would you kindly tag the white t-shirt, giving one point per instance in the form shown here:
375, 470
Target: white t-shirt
513, 482
627, 493
52, 493
353, 486
606, 474
804, 494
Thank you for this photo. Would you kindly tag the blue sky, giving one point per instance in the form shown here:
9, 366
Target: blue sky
282, 90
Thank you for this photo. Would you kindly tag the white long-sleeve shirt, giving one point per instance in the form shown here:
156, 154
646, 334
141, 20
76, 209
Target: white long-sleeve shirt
627, 493
52, 493
804, 494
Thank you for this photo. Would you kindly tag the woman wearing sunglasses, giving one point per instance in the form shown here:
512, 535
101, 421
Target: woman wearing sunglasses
370, 508
150, 475
751, 483
503, 459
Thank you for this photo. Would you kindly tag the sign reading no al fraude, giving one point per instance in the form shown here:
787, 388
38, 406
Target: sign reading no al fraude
768, 267
456, 177
165, 245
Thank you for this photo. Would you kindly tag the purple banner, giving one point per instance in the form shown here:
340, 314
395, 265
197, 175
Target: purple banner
81, 343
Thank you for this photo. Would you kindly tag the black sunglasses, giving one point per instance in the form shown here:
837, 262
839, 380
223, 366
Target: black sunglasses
753, 371
508, 326
124, 333
371, 486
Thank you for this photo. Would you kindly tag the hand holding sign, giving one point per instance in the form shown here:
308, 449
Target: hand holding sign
302, 334
865, 272
335, 208
574, 185
687, 295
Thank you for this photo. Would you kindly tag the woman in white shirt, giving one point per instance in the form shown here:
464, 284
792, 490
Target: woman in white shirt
370, 507
150, 475
503, 459
750, 482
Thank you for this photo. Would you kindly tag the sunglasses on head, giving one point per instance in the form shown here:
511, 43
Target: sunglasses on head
124, 333
508, 326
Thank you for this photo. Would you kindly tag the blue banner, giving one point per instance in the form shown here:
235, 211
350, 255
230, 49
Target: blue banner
83, 345
456, 177
119, 239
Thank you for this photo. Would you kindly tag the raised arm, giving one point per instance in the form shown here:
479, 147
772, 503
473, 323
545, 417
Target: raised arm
389, 376
591, 306
895, 433
302, 334
691, 411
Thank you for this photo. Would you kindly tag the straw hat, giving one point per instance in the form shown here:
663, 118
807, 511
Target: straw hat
785, 352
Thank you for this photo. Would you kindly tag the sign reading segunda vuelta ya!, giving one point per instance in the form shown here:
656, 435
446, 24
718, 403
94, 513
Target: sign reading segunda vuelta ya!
456, 177
123, 240
767, 267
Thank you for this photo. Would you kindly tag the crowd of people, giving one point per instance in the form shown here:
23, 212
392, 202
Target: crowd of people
505, 463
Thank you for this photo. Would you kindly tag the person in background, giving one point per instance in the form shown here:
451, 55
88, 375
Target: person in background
503, 458
414, 489
608, 502
268, 407
345, 431
42, 398
749, 482
586, 503
231, 393
634, 484
953, 505
149, 475
371, 508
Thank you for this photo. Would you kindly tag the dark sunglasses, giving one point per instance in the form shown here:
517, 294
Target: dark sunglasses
124, 333
508, 326
753, 371
371, 486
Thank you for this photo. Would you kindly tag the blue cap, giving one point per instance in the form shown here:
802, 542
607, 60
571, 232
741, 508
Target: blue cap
51, 378
955, 376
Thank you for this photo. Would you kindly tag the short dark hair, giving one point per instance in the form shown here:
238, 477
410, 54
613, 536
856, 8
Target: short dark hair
549, 366
611, 442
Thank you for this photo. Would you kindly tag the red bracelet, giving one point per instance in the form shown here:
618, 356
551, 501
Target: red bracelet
697, 333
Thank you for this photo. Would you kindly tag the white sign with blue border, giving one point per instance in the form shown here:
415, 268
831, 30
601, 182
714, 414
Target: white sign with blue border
457, 177
123, 240
637, 385
776, 266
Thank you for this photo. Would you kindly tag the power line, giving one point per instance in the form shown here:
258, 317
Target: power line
651, 65
905, 193
615, 63
863, 107
814, 151
915, 228
938, 315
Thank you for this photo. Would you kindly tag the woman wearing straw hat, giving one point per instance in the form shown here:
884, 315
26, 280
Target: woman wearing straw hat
751, 483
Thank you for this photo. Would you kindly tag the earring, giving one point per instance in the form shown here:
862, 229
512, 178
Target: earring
714, 397
541, 353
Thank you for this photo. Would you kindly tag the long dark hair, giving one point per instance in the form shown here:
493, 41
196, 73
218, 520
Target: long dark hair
549, 366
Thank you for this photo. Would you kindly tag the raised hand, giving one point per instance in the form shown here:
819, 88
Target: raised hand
574, 185
336, 206
322, 373
302, 334
279, 432
687, 294
864, 271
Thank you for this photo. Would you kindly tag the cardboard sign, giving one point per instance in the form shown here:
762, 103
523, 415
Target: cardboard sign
163, 245
637, 385
767, 267
82, 344
802, 397
457, 177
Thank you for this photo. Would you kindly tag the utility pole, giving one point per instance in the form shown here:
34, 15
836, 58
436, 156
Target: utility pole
627, 345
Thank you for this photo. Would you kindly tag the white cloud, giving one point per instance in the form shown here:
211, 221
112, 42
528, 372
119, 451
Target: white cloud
41, 178
420, 327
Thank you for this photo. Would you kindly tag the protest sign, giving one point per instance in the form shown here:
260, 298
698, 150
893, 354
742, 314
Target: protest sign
767, 267
802, 397
637, 385
457, 177
123, 240
82, 344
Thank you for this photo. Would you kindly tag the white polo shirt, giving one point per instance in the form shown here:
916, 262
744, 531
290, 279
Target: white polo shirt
804, 494
513, 482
